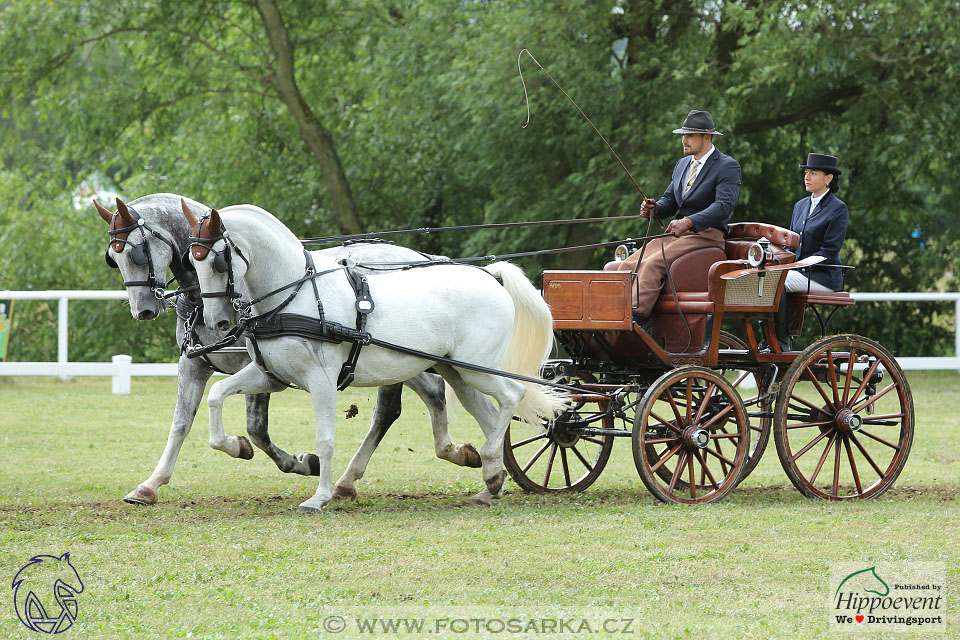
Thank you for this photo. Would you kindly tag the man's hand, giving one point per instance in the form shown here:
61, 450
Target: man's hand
681, 227
648, 207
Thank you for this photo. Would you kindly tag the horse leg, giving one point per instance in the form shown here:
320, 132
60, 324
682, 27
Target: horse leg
474, 391
431, 390
192, 377
305, 464
324, 397
249, 380
385, 413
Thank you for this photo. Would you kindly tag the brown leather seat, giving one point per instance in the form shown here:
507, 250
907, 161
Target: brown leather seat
798, 303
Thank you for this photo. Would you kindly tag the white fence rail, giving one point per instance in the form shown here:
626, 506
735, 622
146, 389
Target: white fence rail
121, 368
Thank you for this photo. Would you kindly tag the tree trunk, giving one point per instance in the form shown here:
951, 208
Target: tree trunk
318, 139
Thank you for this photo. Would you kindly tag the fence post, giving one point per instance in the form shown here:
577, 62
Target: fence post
956, 329
121, 374
62, 335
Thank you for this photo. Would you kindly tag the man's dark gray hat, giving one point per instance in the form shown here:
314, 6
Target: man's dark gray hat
698, 122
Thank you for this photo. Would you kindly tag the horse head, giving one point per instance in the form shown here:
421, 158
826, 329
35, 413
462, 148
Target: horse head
214, 258
141, 257
43, 581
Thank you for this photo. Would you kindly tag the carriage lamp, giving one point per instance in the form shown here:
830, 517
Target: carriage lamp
759, 253
621, 253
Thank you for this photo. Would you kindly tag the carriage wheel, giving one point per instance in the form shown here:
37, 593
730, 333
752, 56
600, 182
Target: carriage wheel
559, 458
844, 432
759, 427
691, 426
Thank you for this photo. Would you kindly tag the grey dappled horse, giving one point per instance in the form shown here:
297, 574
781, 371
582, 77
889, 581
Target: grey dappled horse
144, 252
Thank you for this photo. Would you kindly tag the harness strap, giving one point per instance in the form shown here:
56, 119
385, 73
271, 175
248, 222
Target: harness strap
364, 305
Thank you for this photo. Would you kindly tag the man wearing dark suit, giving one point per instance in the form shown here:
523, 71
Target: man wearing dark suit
700, 198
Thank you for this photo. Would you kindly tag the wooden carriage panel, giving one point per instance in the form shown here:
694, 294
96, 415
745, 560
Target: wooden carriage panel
589, 300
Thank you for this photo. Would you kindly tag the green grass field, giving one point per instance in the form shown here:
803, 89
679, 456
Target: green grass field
226, 555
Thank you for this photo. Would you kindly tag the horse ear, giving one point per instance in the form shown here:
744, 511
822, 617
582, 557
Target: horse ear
188, 214
125, 216
106, 215
215, 223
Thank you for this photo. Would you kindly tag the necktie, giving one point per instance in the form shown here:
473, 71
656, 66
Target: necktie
693, 175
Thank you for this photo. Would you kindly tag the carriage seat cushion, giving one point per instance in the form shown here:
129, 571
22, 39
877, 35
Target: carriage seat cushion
756, 230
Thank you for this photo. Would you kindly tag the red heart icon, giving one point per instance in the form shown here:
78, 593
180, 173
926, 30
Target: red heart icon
859, 618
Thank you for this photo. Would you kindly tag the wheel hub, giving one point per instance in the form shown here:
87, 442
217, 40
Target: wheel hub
564, 433
847, 421
694, 438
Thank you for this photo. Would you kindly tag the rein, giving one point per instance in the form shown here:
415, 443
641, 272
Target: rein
463, 227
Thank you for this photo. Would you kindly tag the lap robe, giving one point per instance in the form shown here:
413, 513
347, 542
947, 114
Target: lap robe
652, 271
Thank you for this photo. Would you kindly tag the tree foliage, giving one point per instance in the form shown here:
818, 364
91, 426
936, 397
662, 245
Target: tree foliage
421, 105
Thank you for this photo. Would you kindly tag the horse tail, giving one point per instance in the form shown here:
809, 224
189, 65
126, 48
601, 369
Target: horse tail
530, 344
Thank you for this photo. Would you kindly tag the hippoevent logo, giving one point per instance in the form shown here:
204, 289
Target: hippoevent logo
888, 597
45, 594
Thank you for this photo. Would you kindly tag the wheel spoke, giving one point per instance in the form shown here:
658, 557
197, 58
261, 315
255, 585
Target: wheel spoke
673, 404
553, 456
593, 440
803, 425
718, 436
693, 483
833, 379
850, 363
661, 440
836, 469
704, 403
808, 403
689, 398
666, 457
866, 377
717, 455
706, 470
717, 416
819, 388
823, 457
579, 455
811, 443
866, 455
539, 436
738, 381
853, 465
566, 467
666, 423
880, 440
546, 445
676, 472
872, 399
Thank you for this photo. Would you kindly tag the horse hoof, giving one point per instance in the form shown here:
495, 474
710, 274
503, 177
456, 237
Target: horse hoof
471, 457
246, 449
495, 485
312, 461
304, 509
478, 501
344, 493
142, 496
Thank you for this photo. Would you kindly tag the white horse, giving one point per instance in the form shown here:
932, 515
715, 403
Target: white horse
490, 317
145, 252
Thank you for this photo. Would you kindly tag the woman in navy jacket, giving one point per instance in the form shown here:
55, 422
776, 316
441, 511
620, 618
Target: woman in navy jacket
821, 220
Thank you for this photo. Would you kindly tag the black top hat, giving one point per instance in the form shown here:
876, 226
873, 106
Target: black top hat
698, 122
821, 162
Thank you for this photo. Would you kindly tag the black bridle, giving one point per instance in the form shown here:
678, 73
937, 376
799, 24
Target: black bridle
139, 253
201, 247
